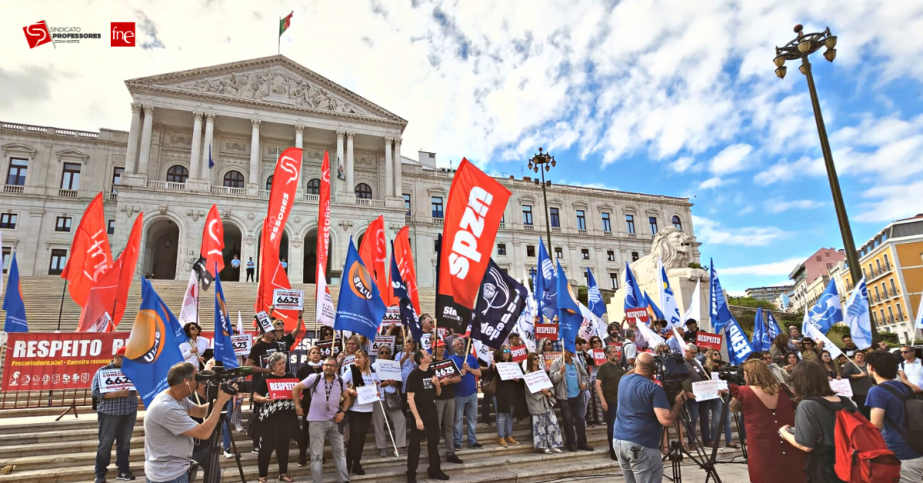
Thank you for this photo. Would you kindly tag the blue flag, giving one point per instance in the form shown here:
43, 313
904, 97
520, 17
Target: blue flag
593, 295
546, 290
359, 308
773, 326
857, 316
569, 316
211, 162
634, 299
826, 311
738, 347
408, 315
224, 350
718, 309
152, 347
12, 302
652, 307
761, 340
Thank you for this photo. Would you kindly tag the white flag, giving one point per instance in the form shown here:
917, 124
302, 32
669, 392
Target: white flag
653, 340
857, 316
814, 333
483, 350
592, 325
695, 306
525, 326
667, 299
240, 323
189, 312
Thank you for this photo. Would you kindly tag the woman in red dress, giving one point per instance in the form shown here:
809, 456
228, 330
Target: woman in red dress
766, 408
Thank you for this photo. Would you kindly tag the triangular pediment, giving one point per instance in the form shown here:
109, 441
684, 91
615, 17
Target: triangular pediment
274, 82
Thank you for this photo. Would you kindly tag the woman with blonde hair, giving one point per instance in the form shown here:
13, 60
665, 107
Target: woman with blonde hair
360, 374
767, 407
352, 345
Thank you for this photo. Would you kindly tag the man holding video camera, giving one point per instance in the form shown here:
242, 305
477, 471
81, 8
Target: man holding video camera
169, 428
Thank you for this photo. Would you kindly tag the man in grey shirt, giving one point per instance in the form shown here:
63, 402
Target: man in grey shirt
169, 429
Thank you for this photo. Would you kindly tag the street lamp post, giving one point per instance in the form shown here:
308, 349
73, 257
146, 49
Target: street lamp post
801, 47
544, 162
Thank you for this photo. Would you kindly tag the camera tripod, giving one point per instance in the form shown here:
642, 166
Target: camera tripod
212, 467
701, 458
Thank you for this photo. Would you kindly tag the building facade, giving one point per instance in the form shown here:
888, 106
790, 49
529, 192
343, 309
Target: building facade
804, 292
213, 135
767, 293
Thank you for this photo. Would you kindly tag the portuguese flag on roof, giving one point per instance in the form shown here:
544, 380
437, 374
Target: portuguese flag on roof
285, 23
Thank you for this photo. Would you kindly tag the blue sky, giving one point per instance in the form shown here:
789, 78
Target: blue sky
672, 97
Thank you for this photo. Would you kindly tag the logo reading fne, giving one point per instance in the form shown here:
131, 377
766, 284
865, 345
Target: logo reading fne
123, 34
37, 34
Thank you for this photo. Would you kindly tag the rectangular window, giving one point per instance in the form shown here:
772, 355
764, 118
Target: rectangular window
63, 223
653, 222
614, 280
893, 287
70, 179
877, 293
406, 203
607, 224
558, 252
58, 260
117, 177
610, 255
878, 264
890, 314
5, 259
634, 256
436, 245
526, 214
630, 223
887, 266
530, 251
585, 253
111, 228
900, 313
501, 248
881, 315
581, 220
555, 218
18, 170
8, 221
436, 204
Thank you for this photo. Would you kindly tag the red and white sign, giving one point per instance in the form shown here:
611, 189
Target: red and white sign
549, 358
111, 380
40, 361
546, 331
639, 315
123, 34
599, 356
519, 353
37, 34
708, 340
281, 388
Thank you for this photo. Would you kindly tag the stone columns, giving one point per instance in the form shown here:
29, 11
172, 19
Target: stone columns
131, 158
254, 175
207, 146
145, 154
398, 180
296, 261
299, 137
196, 144
350, 164
389, 170
339, 162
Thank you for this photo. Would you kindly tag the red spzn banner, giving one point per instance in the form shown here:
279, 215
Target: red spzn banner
39, 361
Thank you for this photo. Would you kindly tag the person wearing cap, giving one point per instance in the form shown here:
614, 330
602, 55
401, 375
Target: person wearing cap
116, 412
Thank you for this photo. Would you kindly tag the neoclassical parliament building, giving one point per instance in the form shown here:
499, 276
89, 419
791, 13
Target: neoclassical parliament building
239, 117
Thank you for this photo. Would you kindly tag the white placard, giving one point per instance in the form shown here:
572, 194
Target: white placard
283, 299
388, 370
705, 390
265, 322
426, 342
366, 394
242, 344
347, 361
722, 385
841, 387
509, 370
537, 380
111, 380
382, 340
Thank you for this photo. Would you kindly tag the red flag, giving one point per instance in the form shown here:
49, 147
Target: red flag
281, 199
89, 255
404, 257
213, 242
107, 298
324, 311
374, 252
473, 213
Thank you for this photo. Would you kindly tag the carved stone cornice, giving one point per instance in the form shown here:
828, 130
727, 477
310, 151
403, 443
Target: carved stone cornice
299, 129
148, 110
210, 117
135, 107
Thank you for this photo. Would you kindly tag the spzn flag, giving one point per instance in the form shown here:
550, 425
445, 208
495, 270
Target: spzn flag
105, 304
499, 307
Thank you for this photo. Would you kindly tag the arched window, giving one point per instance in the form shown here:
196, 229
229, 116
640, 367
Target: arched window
314, 186
363, 191
269, 183
177, 174
234, 179
677, 224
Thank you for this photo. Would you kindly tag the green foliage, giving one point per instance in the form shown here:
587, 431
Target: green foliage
583, 294
751, 302
696, 265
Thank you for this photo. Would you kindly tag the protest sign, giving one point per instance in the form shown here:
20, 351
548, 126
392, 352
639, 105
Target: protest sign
549, 358
265, 322
388, 370
639, 316
708, 340
519, 353
426, 342
599, 356
509, 370
284, 299
38, 361
537, 380
392, 316
441, 331
546, 331
705, 390
111, 380
242, 344
841, 387
281, 388
347, 361
445, 368
382, 340
366, 395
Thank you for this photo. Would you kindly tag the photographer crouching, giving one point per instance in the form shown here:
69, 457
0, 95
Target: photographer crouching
169, 428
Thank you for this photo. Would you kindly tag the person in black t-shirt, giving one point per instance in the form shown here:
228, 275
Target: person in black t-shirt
445, 407
692, 331
262, 348
422, 389
287, 342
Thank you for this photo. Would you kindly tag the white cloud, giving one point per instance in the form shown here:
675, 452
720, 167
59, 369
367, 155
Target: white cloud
731, 159
785, 171
709, 231
711, 183
891, 202
778, 206
780, 268
682, 164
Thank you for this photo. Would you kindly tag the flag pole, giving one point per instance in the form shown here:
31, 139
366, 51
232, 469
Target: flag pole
279, 40
61, 309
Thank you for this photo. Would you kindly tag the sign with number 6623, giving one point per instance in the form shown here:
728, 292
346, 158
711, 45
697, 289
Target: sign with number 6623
111, 380
288, 299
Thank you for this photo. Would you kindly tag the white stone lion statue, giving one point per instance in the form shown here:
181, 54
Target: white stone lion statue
675, 249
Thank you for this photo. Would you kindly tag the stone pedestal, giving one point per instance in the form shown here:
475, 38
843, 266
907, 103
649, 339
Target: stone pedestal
253, 190
682, 281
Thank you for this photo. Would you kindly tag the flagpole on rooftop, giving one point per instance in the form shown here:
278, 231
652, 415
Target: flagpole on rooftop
279, 40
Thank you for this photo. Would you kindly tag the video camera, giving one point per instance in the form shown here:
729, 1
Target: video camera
733, 375
220, 377
672, 372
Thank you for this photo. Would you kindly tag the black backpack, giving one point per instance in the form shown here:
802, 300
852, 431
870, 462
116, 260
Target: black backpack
321, 376
912, 430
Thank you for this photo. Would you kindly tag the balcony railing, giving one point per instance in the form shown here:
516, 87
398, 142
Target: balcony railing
556, 229
166, 185
438, 221
528, 227
67, 193
311, 198
12, 188
408, 220
607, 233
582, 232
877, 272
892, 293
228, 190
264, 194
112, 196
502, 226
900, 317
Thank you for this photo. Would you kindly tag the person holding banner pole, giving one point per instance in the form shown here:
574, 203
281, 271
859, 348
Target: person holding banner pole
466, 393
422, 388
380, 413
505, 398
116, 412
277, 423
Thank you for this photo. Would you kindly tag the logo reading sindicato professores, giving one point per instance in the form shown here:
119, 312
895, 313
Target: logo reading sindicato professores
41, 33
37, 34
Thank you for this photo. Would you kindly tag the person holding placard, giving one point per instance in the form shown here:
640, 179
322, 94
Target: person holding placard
505, 397
595, 407
570, 380
359, 375
277, 423
422, 388
405, 358
607, 389
312, 367
387, 409
445, 405
857, 371
546, 434
466, 394
116, 412
194, 347
698, 411
766, 407
287, 342
352, 345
